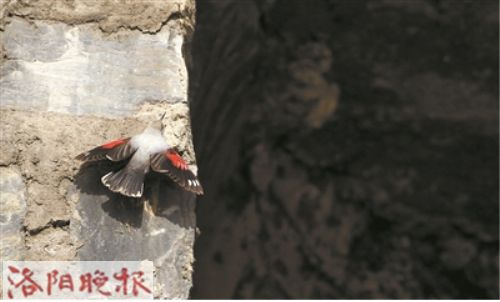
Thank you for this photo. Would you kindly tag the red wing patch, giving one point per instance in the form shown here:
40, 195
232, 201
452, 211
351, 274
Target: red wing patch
115, 150
172, 164
114, 143
176, 159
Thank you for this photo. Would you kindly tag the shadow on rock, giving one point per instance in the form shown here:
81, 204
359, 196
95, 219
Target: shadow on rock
162, 198
168, 200
97, 197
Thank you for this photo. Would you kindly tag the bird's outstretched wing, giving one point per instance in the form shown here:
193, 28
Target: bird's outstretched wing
171, 163
116, 150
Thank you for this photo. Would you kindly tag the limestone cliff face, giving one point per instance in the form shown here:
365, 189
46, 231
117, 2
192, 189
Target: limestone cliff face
74, 74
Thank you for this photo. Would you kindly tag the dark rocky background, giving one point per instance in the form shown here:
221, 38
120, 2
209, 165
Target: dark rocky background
349, 149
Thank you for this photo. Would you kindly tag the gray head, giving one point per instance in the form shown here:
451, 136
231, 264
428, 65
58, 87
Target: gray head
157, 124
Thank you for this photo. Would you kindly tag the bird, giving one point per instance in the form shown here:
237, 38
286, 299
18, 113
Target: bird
143, 153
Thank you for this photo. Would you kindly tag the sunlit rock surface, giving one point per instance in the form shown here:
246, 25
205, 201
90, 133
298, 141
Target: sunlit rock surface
73, 76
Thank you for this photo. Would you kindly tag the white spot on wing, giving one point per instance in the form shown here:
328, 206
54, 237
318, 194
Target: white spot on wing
157, 232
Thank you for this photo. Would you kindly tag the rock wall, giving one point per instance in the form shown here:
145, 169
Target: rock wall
73, 75
349, 148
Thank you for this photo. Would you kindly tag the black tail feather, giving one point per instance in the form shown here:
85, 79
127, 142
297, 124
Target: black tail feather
125, 181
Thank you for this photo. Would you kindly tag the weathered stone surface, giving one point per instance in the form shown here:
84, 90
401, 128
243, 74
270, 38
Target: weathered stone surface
148, 16
77, 69
111, 227
12, 210
75, 75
